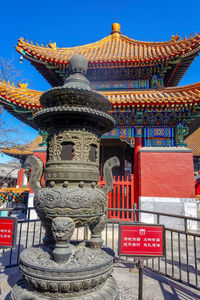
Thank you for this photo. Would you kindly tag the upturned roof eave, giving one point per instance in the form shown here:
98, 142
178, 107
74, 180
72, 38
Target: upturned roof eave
185, 48
24, 150
140, 53
21, 100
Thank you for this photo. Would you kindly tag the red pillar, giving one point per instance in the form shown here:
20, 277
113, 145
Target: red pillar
138, 145
20, 178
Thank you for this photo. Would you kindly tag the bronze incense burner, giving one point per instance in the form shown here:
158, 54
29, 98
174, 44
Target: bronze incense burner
74, 117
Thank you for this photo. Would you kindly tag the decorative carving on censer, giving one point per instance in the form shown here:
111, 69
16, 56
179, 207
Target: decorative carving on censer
74, 117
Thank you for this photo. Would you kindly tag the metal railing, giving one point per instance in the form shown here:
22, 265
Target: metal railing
181, 261
29, 233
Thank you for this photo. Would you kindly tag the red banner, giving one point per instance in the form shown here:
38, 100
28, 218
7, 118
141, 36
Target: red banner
7, 232
141, 240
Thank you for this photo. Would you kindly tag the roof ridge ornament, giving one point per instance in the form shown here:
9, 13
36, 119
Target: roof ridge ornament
175, 38
22, 85
52, 45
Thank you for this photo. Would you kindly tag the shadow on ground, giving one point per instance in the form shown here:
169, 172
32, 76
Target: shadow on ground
171, 289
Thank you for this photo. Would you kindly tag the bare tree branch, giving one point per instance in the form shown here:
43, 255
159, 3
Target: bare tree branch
9, 133
8, 72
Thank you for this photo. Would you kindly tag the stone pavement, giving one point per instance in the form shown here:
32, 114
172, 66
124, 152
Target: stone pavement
156, 287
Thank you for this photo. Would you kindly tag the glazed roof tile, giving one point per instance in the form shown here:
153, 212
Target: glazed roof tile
179, 96
21, 96
114, 48
23, 149
174, 96
193, 142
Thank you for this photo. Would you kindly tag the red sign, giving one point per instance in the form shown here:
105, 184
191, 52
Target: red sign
7, 232
141, 240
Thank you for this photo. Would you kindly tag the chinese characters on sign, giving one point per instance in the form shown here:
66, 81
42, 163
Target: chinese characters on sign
7, 232
141, 240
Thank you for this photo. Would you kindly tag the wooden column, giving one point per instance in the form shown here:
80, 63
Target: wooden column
41, 154
20, 178
123, 159
138, 145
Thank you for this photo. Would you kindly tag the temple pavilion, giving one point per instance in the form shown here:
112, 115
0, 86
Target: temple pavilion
153, 115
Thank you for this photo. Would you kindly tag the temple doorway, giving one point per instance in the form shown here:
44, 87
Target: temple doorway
122, 194
123, 151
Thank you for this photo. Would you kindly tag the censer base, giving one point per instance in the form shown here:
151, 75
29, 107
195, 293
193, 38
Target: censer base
86, 275
108, 291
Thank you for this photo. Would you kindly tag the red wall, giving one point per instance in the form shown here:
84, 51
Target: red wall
41, 155
163, 174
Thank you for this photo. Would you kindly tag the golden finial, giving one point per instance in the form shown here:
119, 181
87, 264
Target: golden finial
23, 85
116, 29
52, 45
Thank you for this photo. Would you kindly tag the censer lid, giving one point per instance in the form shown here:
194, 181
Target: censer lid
76, 89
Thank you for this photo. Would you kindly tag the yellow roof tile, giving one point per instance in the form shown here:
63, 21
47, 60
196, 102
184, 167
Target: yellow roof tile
20, 95
193, 142
29, 99
114, 48
24, 149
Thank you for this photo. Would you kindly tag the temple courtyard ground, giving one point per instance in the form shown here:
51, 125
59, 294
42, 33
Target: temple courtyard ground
156, 287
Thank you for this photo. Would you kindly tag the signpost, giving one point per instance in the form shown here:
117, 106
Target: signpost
8, 232
143, 241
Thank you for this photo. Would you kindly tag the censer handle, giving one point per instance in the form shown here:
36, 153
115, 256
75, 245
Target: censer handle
107, 172
37, 171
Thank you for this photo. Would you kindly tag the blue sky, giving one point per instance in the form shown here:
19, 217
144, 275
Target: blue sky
72, 23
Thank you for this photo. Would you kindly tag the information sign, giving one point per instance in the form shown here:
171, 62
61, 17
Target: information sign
142, 240
8, 232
